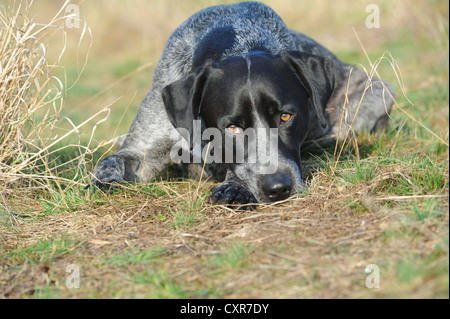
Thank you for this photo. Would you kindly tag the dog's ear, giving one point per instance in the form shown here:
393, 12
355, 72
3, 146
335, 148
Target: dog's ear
317, 75
182, 99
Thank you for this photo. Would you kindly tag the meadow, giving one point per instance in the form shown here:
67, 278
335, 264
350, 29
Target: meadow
69, 88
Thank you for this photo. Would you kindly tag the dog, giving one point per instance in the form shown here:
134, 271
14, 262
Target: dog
236, 67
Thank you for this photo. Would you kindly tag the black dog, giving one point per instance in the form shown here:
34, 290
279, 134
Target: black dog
236, 67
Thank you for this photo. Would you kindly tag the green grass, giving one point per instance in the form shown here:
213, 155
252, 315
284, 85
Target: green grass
44, 251
356, 172
428, 208
236, 256
159, 285
136, 256
187, 213
418, 269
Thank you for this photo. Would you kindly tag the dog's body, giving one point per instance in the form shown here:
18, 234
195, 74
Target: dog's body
239, 66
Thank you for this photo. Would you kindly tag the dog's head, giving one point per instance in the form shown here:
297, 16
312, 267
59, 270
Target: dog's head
263, 104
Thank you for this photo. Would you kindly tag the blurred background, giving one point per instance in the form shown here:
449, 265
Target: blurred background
113, 52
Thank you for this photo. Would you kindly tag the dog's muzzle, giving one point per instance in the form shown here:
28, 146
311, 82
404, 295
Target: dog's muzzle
277, 186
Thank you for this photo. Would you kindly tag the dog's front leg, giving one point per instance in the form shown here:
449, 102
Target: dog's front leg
126, 166
145, 153
233, 193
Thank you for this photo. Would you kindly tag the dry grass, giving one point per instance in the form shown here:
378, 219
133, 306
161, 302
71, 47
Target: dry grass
31, 101
25, 90
371, 200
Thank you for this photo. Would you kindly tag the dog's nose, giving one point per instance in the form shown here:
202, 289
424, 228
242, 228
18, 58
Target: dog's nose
277, 187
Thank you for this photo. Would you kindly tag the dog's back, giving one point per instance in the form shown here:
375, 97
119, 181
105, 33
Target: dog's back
218, 32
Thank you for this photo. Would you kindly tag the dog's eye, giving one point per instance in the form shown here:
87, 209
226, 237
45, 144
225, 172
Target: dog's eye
285, 117
234, 129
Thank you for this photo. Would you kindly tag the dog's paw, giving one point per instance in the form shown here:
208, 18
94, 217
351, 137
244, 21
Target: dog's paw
107, 188
232, 195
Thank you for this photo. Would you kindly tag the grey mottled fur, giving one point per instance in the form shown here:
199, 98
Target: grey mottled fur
144, 154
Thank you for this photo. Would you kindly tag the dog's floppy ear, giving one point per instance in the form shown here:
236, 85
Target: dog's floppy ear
182, 99
317, 75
